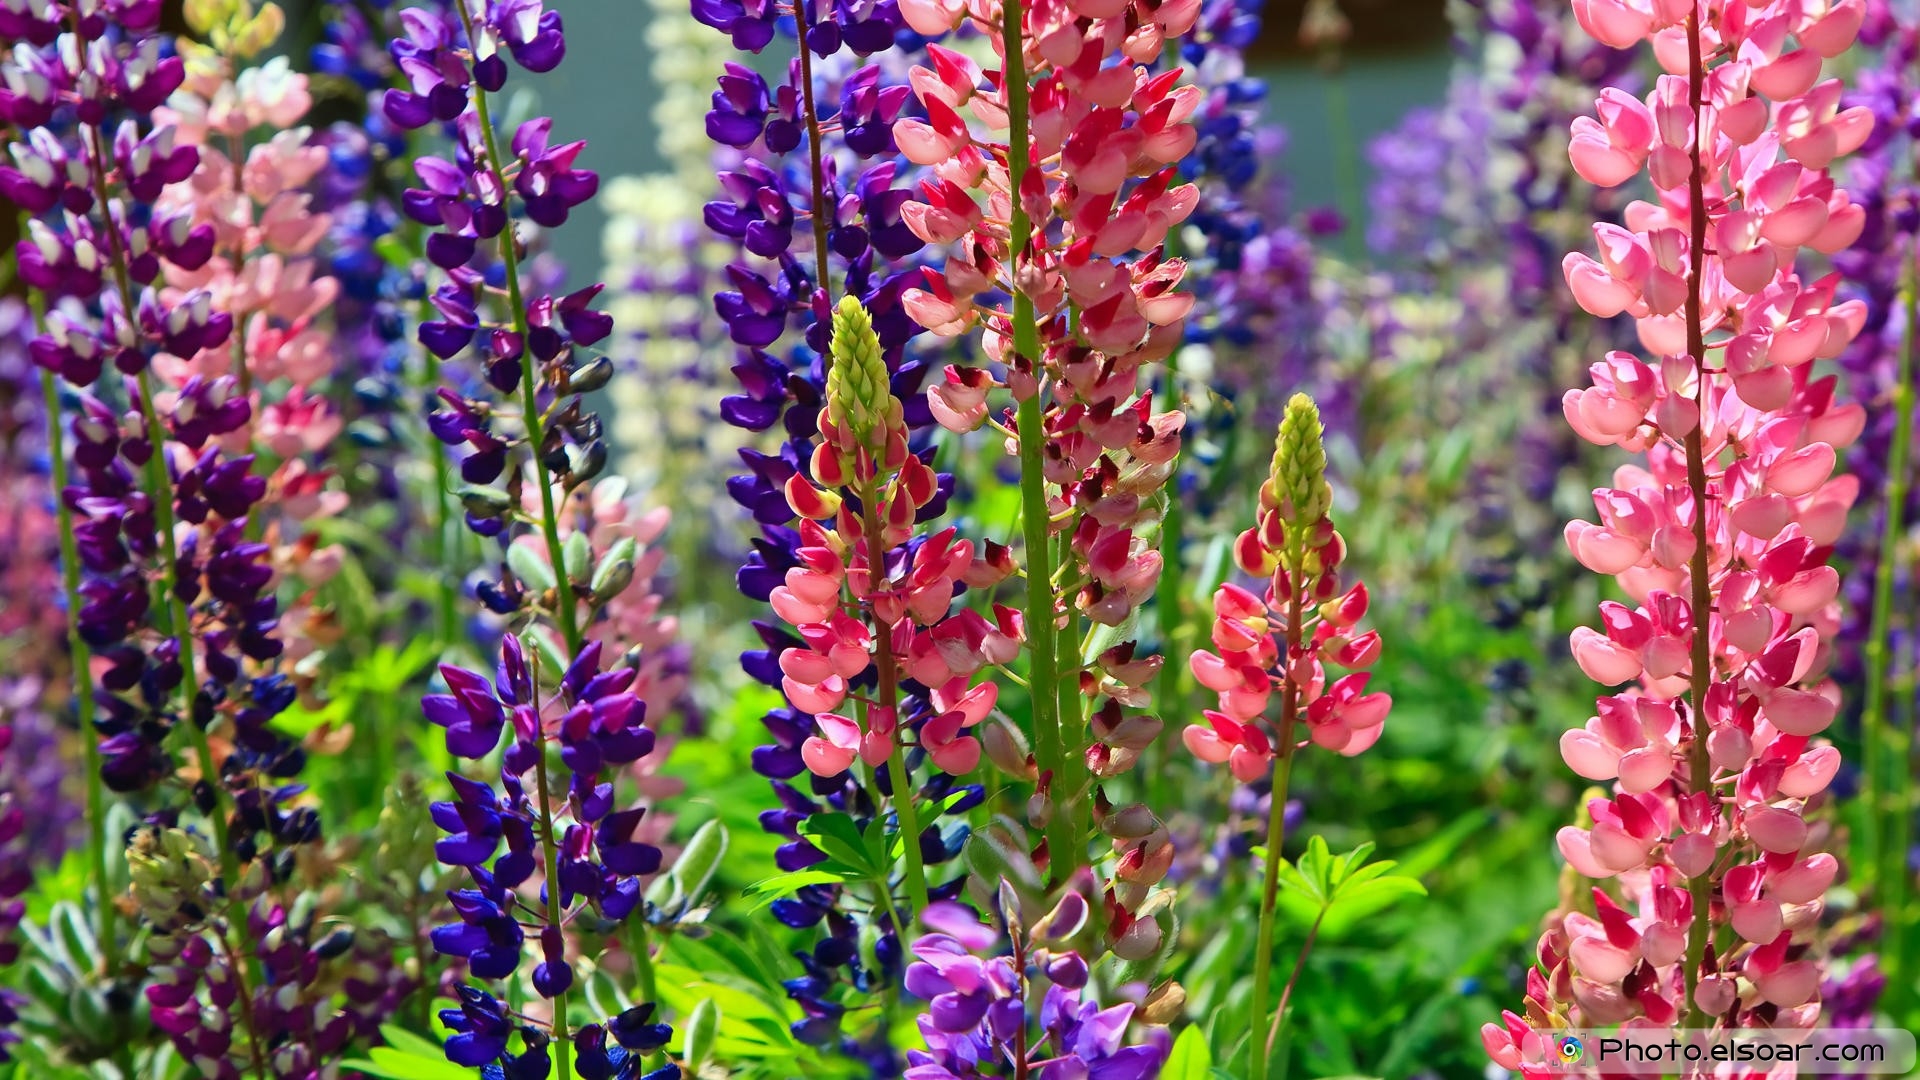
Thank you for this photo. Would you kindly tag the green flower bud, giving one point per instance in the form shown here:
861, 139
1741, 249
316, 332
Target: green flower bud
859, 400
1298, 490
169, 877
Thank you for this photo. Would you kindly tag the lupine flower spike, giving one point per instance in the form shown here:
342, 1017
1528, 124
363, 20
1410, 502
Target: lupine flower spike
572, 712
872, 489
1054, 210
1283, 640
1707, 878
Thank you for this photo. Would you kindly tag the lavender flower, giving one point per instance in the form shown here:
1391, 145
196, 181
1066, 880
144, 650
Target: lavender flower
1022, 1012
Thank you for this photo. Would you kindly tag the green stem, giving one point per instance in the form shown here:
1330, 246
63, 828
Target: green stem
642, 950
1700, 765
564, 606
160, 491
550, 851
1276, 839
889, 699
1286, 992
1884, 746
160, 488
1063, 842
1171, 605
81, 657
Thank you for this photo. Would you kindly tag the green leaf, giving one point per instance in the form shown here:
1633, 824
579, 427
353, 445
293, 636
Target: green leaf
1341, 891
840, 838
1357, 902
770, 889
1190, 1059
408, 1057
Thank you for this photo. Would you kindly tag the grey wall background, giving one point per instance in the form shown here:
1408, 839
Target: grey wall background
603, 93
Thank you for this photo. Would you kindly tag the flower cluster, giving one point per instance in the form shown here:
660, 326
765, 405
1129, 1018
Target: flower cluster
575, 851
592, 723
900, 625
176, 596
988, 1014
596, 721
312, 994
1721, 539
813, 197
1284, 638
1062, 201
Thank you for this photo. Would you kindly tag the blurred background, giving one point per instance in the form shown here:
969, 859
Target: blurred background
1397, 57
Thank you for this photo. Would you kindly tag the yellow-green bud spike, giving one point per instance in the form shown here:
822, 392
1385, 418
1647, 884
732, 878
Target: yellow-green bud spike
1298, 490
1299, 481
859, 400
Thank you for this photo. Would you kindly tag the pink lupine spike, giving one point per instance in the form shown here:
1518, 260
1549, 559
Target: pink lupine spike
1711, 749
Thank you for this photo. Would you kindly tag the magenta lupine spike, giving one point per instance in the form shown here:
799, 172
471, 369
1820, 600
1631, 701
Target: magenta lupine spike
1095, 302
871, 490
1285, 638
1710, 743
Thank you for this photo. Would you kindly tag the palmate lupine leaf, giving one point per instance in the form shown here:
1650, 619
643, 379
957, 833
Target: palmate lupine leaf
1337, 892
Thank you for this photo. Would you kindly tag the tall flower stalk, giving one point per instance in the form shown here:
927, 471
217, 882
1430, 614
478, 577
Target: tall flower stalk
1720, 540
1062, 202
1282, 641
575, 851
814, 201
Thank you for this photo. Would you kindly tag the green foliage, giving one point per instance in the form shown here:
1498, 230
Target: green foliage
1336, 892
407, 1056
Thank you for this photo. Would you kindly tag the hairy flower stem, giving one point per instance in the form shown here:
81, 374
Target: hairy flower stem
1045, 686
1276, 838
550, 851
1886, 780
821, 210
1700, 766
81, 658
889, 699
